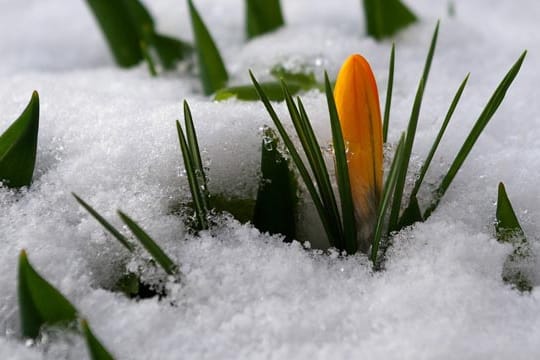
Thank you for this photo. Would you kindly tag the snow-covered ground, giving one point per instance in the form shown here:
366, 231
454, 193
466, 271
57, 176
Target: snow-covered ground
109, 135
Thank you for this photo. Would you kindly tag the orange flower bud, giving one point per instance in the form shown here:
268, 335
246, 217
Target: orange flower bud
357, 102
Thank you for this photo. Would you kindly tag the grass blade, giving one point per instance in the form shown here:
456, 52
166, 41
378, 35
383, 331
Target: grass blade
342, 173
96, 350
316, 162
387, 194
193, 145
275, 209
386, 17
262, 16
39, 302
411, 133
18, 146
111, 229
150, 245
388, 101
195, 187
484, 118
507, 225
211, 68
332, 237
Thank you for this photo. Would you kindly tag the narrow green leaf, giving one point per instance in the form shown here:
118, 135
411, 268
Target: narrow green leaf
262, 16
484, 118
386, 17
342, 173
111, 229
316, 162
273, 90
411, 133
39, 302
429, 158
388, 101
387, 194
195, 152
122, 38
150, 245
275, 209
195, 187
211, 68
95, 348
18, 146
297, 160
411, 214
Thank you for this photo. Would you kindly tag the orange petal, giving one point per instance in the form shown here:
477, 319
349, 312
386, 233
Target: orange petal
357, 102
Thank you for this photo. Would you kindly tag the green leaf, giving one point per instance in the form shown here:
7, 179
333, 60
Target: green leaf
303, 79
484, 118
150, 245
170, 50
39, 302
211, 68
117, 26
507, 225
388, 102
275, 208
240, 208
342, 174
386, 17
111, 229
18, 146
328, 228
196, 180
262, 16
96, 350
411, 214
273, 90
411, 133
387, 194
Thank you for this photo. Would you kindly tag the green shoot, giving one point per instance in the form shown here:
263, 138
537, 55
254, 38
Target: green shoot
39, 302
111, 229
150, 245
212, 70
18, 146
275, 208
262, 16
386, 17
96, 350
411, 133
194, 169
388, 101
484, 118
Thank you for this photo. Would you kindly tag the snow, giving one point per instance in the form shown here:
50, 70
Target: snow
109, 135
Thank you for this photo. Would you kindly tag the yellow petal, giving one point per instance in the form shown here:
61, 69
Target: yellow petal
357, 102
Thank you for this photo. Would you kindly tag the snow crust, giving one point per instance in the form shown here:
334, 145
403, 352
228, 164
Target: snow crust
109, 135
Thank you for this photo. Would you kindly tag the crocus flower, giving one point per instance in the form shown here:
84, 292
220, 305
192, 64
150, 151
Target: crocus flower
357, 103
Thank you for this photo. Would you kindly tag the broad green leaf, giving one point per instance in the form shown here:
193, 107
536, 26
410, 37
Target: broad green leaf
118, 28
273, 90
304, 79
170, 50
388, 102
111, 229
386, 17
18, 146
507, 225
150, 245
39, 302
411, 214
241, 208
275, 208
211, 68
95, 348
262, 16
410, 135
328, 228
387, 194
342, 173
484, 118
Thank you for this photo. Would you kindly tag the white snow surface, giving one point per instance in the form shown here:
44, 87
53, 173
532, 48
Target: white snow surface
109, 135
